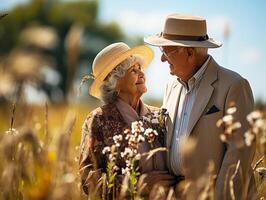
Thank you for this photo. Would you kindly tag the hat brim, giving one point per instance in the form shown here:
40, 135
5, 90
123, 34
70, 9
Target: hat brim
157, 40
143, 51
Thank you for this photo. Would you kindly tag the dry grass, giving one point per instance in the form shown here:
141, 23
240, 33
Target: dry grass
39, 154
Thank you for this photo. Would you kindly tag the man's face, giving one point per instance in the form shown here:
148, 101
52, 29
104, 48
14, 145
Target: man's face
178, 59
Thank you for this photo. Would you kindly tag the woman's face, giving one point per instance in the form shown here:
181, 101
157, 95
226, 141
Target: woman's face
133, 83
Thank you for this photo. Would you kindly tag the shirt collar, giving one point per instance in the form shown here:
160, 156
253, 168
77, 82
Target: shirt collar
195, 79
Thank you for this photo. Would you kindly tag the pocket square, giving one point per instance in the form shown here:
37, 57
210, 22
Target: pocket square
211, 110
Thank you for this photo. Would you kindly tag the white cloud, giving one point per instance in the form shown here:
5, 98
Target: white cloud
250, 56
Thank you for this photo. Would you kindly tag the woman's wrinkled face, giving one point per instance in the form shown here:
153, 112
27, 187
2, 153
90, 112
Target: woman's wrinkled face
133, 83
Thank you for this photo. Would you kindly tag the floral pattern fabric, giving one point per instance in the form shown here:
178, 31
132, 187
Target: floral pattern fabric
98, 130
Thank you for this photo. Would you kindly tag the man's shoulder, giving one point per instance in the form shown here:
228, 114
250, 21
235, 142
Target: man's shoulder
226, 75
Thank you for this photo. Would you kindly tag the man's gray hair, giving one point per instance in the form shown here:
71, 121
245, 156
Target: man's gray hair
201, 50
109, 94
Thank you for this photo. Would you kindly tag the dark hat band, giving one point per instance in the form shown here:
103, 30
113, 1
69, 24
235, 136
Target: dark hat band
184, 37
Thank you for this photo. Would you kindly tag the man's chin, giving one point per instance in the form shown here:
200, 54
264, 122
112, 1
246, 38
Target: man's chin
172, 73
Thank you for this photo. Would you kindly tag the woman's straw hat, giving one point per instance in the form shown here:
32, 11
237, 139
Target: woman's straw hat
183, 30
112, 55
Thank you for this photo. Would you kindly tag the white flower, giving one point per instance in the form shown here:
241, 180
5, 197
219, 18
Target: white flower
125, 171
231, 110
12, 131
156, 114
127, 131
260, 123
117, 139
106, 150
219, 123
115, 168
223, 137
148, 131
228, 119
141, 138
127, 153
254, 116
138, 156
249, 138
150, 134
111, 157
146, 119
137, 127
233, 127
155, 121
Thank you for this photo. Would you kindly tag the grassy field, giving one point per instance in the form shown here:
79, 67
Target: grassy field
39, 155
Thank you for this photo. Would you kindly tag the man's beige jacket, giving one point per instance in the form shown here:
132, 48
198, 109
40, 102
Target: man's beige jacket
219, 87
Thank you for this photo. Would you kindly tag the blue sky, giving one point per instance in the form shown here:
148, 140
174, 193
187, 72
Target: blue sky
243, 52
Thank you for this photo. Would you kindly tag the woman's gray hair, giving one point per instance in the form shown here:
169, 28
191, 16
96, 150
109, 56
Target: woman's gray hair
109, 93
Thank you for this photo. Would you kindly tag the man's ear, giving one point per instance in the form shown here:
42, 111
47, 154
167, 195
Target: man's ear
191, 52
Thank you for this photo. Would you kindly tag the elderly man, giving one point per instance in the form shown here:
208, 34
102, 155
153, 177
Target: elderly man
198, 95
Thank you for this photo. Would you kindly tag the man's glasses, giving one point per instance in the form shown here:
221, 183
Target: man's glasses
167, 54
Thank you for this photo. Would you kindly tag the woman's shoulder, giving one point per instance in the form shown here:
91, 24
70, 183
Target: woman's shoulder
101, 113
102, 110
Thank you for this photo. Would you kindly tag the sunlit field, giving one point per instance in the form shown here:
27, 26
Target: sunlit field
40, 154
47, 48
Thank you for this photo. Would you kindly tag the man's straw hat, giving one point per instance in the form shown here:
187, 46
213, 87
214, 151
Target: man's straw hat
112, 55
185, 31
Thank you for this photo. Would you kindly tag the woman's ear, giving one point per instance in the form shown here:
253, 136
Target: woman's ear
118, 85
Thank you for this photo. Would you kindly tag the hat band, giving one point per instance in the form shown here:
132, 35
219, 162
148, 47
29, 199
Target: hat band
184, 37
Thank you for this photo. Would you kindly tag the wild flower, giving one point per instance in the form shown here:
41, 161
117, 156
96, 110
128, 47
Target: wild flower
231, 110
140, 139
150, 134
127, 153
253, 116
148, 128
137, 127
106, 150
257, 123
230, 126
249, 137
12, 131
117, 140
155, 121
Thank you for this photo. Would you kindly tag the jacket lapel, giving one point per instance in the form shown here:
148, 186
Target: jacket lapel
171, 106
204, 93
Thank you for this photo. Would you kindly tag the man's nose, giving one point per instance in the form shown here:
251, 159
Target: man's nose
163, 58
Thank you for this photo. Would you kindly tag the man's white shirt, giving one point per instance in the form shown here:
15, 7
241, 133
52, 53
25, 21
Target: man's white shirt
188, 93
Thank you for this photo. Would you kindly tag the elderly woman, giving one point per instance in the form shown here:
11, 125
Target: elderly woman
119, 81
